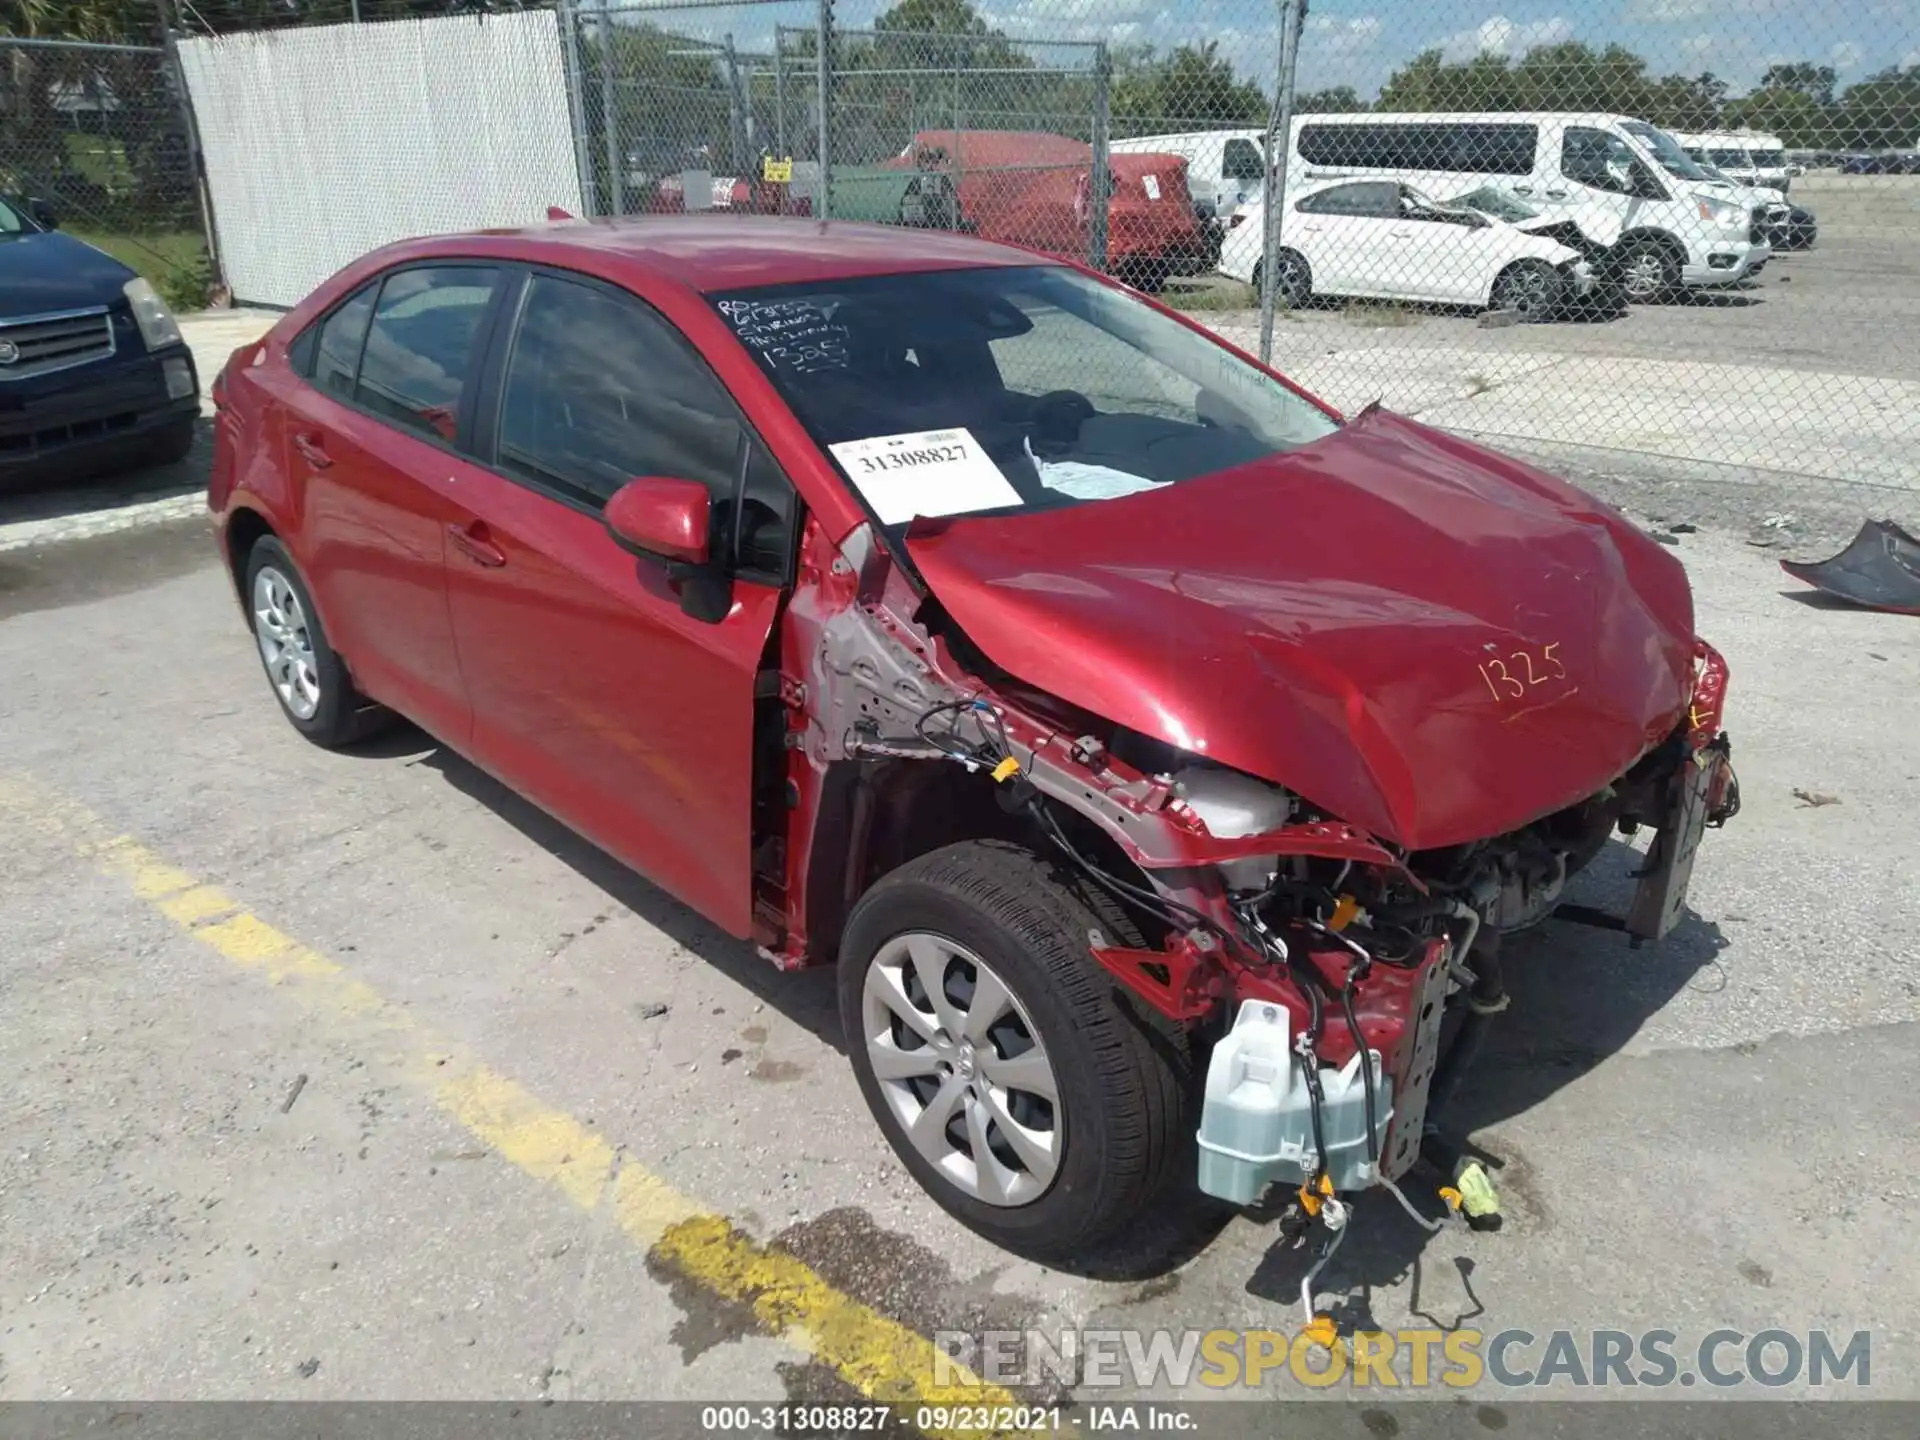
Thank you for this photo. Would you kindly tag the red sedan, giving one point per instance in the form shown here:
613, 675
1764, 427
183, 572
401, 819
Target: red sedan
1151, 748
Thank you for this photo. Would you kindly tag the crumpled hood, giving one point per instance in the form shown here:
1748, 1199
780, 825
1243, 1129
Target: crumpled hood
1422, 637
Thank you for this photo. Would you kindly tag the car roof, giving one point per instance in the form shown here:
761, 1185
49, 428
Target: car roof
722, 251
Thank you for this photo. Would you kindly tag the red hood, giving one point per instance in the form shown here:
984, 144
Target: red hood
1351, 620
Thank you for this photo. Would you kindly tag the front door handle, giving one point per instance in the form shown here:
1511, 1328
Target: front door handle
471, 541
1557, 194
1523, 189
311, 451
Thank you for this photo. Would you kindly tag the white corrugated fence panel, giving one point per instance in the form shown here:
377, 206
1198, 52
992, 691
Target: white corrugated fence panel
324, 143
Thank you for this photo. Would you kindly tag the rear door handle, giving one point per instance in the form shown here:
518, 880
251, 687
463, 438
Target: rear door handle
311, 451
1557, 194
1401, 234
471, 540
1523, 190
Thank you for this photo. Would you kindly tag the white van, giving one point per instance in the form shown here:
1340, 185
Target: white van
1748, 156
1224, 167
1658, 233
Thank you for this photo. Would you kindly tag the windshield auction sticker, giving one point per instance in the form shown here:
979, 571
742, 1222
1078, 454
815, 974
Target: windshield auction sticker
930, 472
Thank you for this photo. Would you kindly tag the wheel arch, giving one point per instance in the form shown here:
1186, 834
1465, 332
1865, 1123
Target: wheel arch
245, 527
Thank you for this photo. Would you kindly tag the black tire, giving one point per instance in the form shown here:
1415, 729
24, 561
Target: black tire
1293, 280
341, 713
1647, 271
172, 444
1123, 1085
1530, 287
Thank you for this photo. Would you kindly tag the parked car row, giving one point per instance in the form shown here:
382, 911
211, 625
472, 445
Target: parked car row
1524, 211
1532, 211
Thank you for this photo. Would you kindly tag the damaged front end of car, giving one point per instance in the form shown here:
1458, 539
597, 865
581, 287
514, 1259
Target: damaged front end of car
1337, 975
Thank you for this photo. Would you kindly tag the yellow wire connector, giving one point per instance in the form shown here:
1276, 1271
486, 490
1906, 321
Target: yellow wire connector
1344, 909
1314, 1197
1006, 769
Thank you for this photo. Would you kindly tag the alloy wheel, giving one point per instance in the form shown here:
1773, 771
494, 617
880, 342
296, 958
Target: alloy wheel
286, 645
1643, 277
962, 1069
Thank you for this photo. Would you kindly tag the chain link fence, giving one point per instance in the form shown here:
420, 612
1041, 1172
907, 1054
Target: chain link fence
95, 138
1651, 225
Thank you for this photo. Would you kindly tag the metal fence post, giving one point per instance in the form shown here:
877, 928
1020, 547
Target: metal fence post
1293, 14
610, 114
739, 138
196, 158
824, 62
577, 101
1102, 178
780, 90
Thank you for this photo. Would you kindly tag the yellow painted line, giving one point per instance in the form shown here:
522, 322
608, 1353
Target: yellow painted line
878, 1356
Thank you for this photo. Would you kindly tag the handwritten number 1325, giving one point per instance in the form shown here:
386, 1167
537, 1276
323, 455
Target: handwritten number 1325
1512, 684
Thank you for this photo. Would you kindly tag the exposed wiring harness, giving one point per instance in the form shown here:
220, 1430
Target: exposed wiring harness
1265, 946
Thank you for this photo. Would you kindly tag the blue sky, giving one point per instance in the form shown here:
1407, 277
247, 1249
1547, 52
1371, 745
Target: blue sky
1361, 42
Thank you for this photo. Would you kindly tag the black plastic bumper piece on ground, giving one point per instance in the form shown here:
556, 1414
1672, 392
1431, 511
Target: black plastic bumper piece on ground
1880, 569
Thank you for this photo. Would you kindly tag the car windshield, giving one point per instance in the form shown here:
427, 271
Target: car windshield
1491, 200
10, 220
1009, 389
1666, 150
1724, 159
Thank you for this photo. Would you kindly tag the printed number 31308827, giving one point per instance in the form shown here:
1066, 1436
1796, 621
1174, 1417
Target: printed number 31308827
1512, 677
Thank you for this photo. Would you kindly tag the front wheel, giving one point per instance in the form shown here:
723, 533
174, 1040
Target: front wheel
1648, 271
1022, 1092
1292, 280
1529, 287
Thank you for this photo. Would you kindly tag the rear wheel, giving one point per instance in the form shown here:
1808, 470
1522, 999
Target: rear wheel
1530, 287
1648, 271
1022, 1092
308, 678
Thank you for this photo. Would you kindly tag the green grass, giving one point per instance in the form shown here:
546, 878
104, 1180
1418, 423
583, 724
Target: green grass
175, 262
102, 161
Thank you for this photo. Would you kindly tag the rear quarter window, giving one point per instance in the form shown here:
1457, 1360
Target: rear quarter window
420, 345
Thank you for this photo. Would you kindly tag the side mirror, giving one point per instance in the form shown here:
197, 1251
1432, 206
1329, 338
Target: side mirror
661, 517
42, 214
665, 519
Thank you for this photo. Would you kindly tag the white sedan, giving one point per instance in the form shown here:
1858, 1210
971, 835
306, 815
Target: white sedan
1381, 239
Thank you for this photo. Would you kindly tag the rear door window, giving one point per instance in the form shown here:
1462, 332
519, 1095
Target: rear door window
420, 346
1374, 199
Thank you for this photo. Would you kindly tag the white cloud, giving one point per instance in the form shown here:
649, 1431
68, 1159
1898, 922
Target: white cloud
1666, 12
1335, 35
1694, 47
1847, 55
1497, 35
1910, 60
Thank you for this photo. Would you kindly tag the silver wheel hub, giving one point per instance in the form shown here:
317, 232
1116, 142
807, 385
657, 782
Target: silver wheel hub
962, 1070
286, 644
1644, 275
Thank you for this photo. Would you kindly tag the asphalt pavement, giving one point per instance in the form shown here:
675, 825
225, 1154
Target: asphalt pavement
352, 1076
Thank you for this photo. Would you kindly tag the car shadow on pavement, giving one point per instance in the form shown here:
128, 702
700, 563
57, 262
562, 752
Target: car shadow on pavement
806, 997
83, 494
1579, 995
